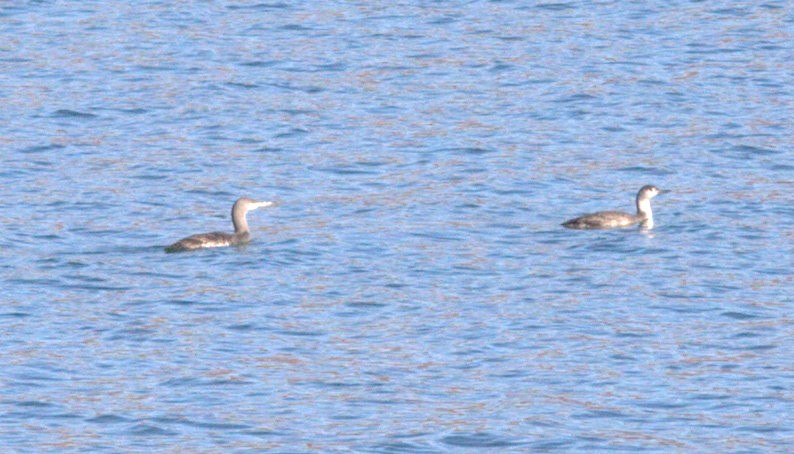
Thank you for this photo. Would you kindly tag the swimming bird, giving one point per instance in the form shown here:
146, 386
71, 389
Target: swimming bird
617, 219
241, 233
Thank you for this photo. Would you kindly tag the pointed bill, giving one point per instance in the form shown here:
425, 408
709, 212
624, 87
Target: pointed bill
264, 204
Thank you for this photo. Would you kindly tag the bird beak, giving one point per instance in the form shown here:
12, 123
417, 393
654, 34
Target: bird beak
664, 191
264, 204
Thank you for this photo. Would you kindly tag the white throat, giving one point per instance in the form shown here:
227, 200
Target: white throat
644, 211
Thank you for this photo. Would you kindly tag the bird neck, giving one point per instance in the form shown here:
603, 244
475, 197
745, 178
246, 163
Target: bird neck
239, 220
644, 209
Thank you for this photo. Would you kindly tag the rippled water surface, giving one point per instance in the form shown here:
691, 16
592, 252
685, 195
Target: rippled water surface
413, 291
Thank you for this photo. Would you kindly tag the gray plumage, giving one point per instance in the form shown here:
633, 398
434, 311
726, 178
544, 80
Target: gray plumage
618, 219
241, 233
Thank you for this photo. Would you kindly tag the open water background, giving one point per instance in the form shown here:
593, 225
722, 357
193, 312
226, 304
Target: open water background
413, 291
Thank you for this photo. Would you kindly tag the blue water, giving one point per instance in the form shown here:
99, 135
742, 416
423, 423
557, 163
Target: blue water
413, 291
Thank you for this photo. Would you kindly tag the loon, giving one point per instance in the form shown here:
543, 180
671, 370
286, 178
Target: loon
617, 219
241, 234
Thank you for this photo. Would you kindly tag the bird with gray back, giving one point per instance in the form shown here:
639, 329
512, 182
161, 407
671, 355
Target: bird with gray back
618, 219
241, 233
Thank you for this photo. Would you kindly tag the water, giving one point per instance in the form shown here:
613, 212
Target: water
413, 291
